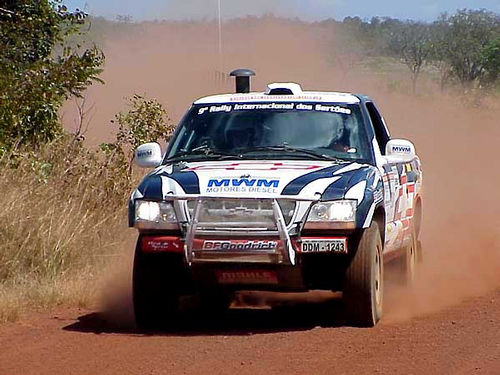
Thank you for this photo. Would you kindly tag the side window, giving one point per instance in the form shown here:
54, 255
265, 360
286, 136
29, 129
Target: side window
378, 124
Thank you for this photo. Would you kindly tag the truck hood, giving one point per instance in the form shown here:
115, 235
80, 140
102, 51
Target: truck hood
252, 178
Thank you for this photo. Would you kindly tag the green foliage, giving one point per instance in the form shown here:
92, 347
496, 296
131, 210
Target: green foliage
38, 71
412, 43
146, 121
464, 47
491, 58
466, 44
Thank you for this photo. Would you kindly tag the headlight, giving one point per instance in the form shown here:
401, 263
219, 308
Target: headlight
155, 215
332, 215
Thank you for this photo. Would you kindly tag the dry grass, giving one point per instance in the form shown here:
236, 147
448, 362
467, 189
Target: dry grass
62, 219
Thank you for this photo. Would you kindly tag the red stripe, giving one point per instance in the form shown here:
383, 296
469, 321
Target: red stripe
411, 188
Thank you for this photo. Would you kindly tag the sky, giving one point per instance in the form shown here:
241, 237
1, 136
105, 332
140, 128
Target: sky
424, 10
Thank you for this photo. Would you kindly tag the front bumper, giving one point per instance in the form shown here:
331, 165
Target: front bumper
250, 256
258, 271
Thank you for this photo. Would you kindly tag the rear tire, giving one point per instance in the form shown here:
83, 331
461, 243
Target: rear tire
408, 263
410, 260
157, 283
363, 292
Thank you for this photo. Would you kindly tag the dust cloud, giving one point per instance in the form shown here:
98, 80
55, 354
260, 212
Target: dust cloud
456, 140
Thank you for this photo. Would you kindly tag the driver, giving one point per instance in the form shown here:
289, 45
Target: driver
339, 135
242, 134
239, 138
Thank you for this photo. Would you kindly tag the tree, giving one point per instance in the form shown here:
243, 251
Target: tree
412, 43
38, 69
468, 46
439, 32
491, 58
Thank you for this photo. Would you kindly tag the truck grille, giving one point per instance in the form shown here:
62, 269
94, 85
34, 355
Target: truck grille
242, 213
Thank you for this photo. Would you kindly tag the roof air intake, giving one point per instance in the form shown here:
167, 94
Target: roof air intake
283, 89
242, 80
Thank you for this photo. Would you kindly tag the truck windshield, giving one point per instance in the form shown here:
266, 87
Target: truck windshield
271, 131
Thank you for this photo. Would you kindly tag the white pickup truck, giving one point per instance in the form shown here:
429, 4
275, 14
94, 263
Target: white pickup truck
283, 190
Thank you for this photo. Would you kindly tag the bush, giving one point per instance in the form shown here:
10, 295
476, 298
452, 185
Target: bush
64, 211
145, 121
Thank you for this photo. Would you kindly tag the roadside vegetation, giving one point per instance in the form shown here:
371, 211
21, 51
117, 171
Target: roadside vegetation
464, 48
63, 204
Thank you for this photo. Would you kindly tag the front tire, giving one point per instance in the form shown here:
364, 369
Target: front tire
363, 292
157, 285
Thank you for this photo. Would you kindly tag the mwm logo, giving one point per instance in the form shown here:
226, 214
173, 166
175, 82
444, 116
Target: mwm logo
236, 182
401, 149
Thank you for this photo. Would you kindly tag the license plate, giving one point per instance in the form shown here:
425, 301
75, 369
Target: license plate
330, 245
247, 277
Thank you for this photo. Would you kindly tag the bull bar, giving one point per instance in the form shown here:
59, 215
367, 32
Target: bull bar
284, 254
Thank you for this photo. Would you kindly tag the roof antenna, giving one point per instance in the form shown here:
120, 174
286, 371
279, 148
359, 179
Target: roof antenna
242, 80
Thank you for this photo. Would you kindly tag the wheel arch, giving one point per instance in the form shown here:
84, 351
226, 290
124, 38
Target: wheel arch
417, 215
379, 218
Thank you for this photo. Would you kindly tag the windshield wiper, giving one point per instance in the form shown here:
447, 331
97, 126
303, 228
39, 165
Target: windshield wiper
203, 150
290, 149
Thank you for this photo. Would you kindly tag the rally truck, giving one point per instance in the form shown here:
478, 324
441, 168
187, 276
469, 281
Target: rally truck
283, 190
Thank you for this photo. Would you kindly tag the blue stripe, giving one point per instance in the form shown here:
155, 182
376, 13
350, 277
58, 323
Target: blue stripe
187, 180
150, 187
295, 186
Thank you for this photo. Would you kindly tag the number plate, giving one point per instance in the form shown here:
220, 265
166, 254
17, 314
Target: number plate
324, 245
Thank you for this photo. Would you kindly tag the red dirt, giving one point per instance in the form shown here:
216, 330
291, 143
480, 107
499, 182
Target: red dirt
296, 339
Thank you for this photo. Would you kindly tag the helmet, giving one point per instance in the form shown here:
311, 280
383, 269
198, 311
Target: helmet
242, 132
337, 129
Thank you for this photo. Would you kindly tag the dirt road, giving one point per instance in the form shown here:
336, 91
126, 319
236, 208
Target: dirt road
297, 338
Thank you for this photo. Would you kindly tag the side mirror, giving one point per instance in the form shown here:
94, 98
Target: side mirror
148, 155
400, 150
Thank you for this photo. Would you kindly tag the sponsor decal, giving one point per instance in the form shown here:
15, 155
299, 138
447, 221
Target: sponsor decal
144, 154
401, 149
247, 277
239, 245
242, 185
162, 244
